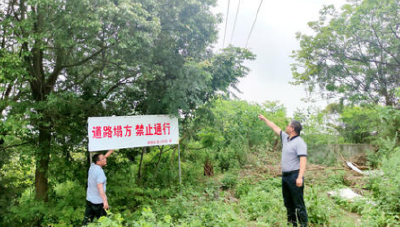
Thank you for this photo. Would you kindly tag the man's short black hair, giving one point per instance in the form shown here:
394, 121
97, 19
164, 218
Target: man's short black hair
296, 126
96, 158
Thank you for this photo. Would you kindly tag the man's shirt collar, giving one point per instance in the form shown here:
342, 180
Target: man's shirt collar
290, 139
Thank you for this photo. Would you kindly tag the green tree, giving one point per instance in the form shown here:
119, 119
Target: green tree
65, 48
236, 123
63, 61
357, 123
354, 54
319, 126
231, 128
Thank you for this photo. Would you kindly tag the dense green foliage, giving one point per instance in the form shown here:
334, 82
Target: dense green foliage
231, 129
247, 192
64, 61
354, 53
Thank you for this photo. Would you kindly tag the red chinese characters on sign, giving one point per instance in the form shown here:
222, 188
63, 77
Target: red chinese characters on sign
148, 130
157, 129
119, 131
150, 142
128, 131
97, 132
107, 132
139, 130
165, 127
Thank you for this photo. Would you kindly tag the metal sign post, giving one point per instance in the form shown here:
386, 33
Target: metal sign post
179, 163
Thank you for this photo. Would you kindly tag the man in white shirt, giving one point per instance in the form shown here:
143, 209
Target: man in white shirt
96, 199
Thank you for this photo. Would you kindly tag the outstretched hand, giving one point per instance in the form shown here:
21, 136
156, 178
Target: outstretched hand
261, 117
109, 153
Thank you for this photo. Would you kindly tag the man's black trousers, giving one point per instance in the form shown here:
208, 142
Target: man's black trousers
93, 211
293, 198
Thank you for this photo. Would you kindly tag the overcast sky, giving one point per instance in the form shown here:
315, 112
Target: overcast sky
273, 39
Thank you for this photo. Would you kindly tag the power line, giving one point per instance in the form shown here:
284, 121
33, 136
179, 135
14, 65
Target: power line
226, 23
251, 30
234, 24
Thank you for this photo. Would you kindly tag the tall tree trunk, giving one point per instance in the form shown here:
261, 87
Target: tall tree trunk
388, 99
40, 91
158, 162
42, 164
208, 168
141, 162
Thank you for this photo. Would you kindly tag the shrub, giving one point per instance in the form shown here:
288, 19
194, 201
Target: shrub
243, 188
229, 181
317, 209
65, 207
386, 188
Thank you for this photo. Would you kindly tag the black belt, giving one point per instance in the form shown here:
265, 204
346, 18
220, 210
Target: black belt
289, 173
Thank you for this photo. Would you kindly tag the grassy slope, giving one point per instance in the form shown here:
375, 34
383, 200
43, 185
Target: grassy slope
251, 196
